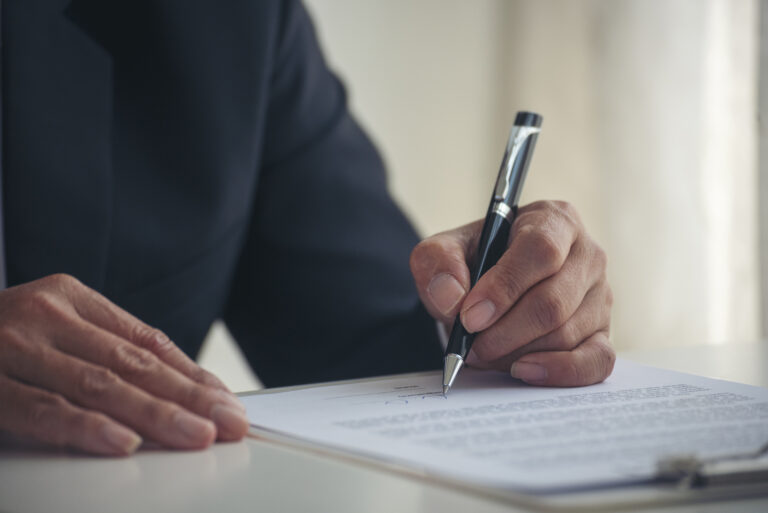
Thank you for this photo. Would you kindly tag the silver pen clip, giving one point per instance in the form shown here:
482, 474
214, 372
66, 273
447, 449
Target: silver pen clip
517, 138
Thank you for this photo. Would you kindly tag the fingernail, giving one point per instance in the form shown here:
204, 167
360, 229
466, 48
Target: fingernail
528, 372
120, 439
231, 400
195, 429
445, 292
230, 421
478, 316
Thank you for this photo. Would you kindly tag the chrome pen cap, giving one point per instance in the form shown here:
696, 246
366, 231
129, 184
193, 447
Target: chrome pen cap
517, 156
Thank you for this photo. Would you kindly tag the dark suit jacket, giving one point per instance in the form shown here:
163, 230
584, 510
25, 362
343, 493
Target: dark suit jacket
195, 160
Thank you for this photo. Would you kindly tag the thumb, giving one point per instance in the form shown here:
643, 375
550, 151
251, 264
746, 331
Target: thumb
439, 268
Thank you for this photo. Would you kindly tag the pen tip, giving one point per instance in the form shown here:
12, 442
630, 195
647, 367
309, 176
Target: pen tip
453, 363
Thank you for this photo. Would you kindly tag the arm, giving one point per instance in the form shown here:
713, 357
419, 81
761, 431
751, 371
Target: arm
322, 290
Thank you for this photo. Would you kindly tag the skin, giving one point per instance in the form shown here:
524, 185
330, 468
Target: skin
77, 371
542, 312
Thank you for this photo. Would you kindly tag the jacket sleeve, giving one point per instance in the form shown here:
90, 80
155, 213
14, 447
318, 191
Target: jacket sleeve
322, 290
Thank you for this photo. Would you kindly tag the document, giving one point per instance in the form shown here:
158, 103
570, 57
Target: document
492, 430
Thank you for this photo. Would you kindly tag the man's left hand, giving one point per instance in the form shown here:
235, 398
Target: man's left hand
542, 312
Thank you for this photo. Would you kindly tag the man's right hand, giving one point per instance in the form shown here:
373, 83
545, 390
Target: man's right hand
78, 371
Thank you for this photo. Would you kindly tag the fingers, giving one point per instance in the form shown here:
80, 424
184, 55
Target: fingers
102, 376
145, 371
590, 362
593, 315
547, 307
439, 268
51, 419
97, 388
98, 310
541, 241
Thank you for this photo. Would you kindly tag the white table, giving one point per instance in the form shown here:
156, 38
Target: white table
254, 475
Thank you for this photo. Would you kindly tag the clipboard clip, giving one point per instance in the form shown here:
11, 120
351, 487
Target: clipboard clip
690, 471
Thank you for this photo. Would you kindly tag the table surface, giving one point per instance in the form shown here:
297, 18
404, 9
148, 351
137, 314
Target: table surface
261, 475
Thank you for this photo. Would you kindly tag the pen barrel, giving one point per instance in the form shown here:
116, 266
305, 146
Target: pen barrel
501, 213
493, 243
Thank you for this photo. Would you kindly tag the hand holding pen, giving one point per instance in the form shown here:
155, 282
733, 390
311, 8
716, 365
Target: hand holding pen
542, 311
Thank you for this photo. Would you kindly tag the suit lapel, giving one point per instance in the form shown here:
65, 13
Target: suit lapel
57, 172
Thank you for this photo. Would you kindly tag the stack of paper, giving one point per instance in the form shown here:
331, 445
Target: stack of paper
494, 431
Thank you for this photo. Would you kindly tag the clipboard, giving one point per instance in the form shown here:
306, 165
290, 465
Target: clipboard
681, 480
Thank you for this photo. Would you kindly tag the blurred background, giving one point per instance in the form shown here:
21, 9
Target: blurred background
651, 129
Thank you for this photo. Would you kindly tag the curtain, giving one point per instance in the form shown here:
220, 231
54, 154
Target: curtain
650, 130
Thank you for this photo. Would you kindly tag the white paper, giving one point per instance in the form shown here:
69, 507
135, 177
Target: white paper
493, 430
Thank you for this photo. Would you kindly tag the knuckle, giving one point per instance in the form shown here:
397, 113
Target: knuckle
62, 281
80, 422
8, 332
197, 395
202, 376
568, 211
41, 417
427, 253
608, 296
44, 406
156, 411
595, 365
96, 382
543, 249
425, 248
419, 254
198, 375
150, 338
554, 205
599, 257
543, 204
208, 379
568, 336
563, 206
45, 304
14, 344
133, 363
549, 312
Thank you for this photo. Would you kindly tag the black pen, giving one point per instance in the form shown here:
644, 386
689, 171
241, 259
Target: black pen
498, 221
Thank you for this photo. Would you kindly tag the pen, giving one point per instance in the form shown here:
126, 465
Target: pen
498, 221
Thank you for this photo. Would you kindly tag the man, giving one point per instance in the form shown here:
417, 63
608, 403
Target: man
195, 160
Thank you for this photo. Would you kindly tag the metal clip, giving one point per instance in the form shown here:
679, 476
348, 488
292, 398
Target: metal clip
690, 471
517, 137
